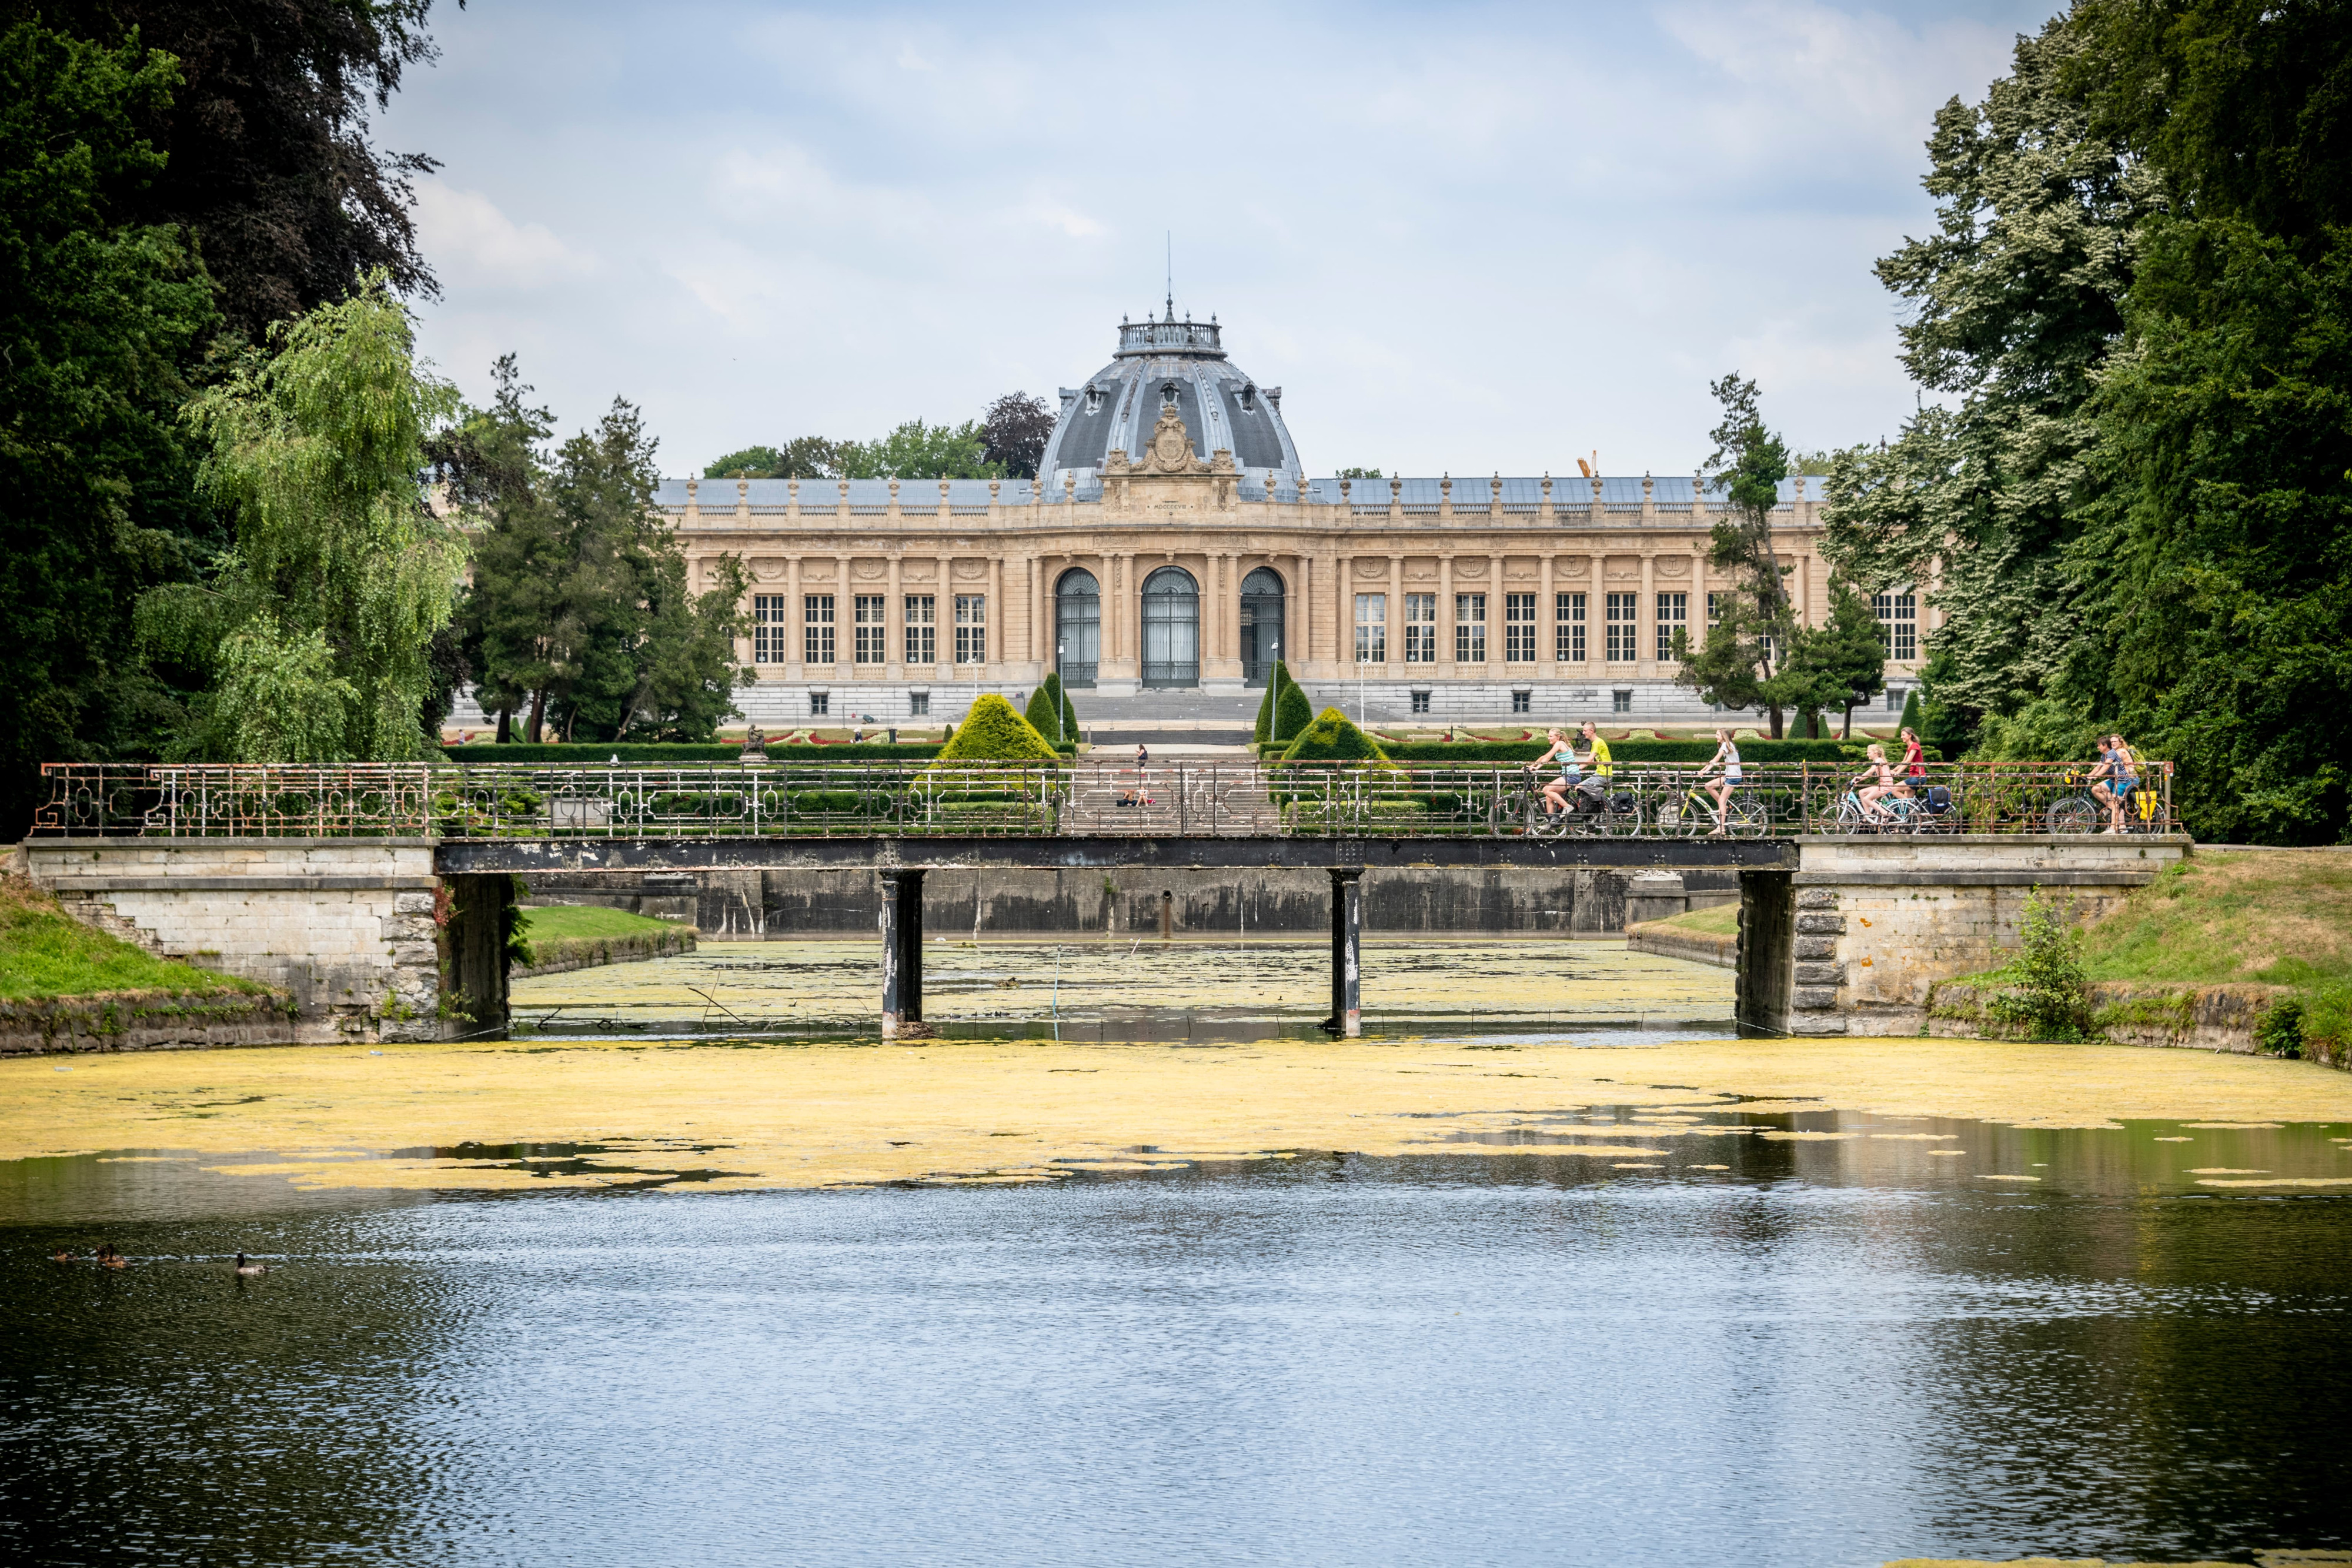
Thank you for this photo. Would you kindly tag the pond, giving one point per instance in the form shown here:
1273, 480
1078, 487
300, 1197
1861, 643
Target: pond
1572, 1294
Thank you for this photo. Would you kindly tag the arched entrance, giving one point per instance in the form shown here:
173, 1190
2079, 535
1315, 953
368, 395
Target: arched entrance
1261, 625
1172, 628
1077, 628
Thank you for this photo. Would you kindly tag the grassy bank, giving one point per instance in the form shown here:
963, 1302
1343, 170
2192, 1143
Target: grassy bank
1723, 920
573, 935
46, 953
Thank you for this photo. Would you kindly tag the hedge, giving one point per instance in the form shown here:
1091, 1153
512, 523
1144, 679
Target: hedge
1292, 713
993, 732
1332, 737
584, 756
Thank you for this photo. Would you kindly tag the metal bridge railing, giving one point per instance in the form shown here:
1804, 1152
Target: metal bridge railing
1186, 799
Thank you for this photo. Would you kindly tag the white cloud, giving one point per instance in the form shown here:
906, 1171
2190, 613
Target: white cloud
469, 240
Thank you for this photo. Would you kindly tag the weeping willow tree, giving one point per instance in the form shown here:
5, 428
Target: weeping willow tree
313, 627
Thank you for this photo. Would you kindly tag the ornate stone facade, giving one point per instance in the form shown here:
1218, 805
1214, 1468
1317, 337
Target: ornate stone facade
1470, 599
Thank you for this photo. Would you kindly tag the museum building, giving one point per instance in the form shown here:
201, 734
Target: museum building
1174, 541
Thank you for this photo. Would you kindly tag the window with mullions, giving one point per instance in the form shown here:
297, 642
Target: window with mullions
1714, 608
1673, 610
871, 648
1568, 628
816, 629
771, 630
1421, 630
1898, 623
1371, 628
1470, 628
1518, 628
1624, 613
971, 629
922, 631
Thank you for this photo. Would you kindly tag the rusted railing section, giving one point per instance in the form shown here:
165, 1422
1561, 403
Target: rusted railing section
1213, 799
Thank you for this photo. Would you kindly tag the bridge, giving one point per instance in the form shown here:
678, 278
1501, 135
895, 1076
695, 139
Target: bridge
379, 893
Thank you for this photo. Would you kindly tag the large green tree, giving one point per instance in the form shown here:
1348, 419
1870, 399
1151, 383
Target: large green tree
1745, 659
2011, 307
580, 613
99, 316
314, 625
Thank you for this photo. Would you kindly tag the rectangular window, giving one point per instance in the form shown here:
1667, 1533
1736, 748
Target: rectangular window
1673, 608
1470, 628
1523, 702
1895, 699
1421, 702
871, 647
1518, 629
1420, 631
1371, 628
771, 634
971, 629
1623, 613
923, 634
816, 629
919, 705
1568, 628
820, 704
1620, 702
1898, 624
1714, 608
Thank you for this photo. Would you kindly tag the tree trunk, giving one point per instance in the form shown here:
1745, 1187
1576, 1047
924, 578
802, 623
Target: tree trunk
505, 725
1845, 731
538, 715
1776, 722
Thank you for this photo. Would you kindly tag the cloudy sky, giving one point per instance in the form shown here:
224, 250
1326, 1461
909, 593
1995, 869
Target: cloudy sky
1462, 239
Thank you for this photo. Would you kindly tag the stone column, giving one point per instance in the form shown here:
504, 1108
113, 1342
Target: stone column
844, 622
999, 623
943, 617
894, 624
793, 644
1347, 952
1395, 638
1445, 617
902, 950
1646, 625
1547, 635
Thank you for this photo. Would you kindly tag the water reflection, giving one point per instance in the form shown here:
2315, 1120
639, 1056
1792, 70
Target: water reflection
1740, 1348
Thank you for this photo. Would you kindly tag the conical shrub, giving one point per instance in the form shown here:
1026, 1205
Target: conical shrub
992, 732
1043, 702
1332, 737
1275, 681
1292, 712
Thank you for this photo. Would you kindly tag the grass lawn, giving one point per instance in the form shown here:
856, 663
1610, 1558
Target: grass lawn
574, 921
1723, 920
2281, 917
44, 952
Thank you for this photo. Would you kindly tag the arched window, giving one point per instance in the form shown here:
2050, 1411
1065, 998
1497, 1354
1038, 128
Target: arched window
1172, 628
1261, 625
1077, 628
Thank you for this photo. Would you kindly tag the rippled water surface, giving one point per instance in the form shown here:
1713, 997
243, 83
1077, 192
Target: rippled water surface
1820, 1353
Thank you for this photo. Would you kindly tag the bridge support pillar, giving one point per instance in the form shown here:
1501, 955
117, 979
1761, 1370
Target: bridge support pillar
1347, 952
902, 950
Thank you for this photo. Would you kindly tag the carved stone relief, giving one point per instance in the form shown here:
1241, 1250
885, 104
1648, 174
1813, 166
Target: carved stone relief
1673, 566
767, 568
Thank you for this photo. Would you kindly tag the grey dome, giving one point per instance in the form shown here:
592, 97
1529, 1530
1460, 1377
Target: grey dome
1160, 360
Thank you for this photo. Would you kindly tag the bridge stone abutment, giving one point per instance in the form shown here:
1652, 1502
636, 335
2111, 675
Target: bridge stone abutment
369, 943
1850, 942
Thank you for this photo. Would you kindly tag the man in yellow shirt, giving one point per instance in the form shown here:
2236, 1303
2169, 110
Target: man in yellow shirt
1597, 765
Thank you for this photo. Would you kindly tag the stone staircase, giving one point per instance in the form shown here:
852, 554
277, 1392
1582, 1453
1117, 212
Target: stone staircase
1229, 801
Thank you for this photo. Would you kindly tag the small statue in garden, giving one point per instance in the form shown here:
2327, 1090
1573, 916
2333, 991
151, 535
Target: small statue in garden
755, 746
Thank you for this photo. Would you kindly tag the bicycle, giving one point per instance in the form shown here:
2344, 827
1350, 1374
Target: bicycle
1693, 816
2086, 812
1895, 814
1614, 813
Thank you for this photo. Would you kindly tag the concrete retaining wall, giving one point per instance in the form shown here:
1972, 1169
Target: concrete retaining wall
1674, 942
751, 905
141, 1020
561, 956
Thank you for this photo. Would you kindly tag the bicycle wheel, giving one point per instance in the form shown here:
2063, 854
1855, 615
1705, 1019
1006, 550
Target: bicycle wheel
1679, 816
1851, 818
2073, 815
1622, 824
1747, 818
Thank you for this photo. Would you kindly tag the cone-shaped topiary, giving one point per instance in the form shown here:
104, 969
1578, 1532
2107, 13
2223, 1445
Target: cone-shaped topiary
992, 732
1048, 696
1911, 710
1292, 712
1275, 681
1332, 737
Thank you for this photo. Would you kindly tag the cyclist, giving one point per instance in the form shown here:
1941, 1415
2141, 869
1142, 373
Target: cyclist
1881, 778
1600, 767
1727, 756
1555, 790
2114, 779
1915, 763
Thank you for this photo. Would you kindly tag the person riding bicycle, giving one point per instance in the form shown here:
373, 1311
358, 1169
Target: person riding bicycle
2114, 779
1555, 789
1914, 764
1727, 755
1881, 784
1600, 767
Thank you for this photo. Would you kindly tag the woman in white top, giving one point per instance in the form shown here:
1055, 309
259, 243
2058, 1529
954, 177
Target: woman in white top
1555, 791
1726, 757
1881, 785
